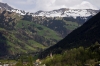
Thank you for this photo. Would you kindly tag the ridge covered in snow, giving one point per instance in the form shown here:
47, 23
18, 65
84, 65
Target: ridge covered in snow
84, 11
63, 12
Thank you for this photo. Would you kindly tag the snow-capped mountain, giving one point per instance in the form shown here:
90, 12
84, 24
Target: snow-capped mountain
67, 13
63, 12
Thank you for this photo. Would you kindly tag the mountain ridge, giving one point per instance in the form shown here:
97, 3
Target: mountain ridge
63, 12
26, 33
5, 6
86, 35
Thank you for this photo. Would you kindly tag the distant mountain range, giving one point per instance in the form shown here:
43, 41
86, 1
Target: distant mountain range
25, 32
78, 14
63, 12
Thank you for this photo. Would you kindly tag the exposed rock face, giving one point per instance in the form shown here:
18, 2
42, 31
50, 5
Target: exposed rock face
5, 6
6, 20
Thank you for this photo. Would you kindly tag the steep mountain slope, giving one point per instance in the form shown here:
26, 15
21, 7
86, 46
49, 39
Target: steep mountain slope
79, 15
25, 32
86, 35
3, 49
5, 6
24, 36
62, 26
63, 20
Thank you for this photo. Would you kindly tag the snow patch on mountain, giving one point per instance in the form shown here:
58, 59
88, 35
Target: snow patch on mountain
63, 12
21, 12
67, 13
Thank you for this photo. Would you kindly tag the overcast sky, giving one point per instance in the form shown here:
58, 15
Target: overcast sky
46, 5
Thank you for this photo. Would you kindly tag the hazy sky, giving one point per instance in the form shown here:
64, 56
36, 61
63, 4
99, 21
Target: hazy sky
46, 5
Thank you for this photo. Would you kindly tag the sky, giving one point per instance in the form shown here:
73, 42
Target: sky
47, 5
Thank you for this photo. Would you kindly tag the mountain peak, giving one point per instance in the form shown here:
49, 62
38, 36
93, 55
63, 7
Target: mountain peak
5, 6
62, 12
66, 12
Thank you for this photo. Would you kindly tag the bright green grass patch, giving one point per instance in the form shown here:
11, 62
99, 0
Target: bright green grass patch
35, 44
30, 48
46, 32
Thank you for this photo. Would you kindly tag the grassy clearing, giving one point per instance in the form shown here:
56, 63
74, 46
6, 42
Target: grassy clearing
35, 44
